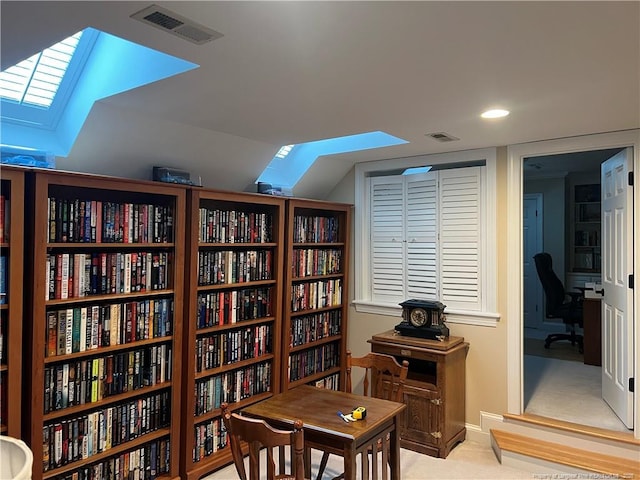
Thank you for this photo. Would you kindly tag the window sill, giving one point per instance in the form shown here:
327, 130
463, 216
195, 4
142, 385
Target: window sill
482, 319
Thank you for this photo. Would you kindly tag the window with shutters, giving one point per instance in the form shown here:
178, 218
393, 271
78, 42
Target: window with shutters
429, 236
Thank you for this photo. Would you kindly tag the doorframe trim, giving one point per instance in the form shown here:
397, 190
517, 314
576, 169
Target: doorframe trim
515, 157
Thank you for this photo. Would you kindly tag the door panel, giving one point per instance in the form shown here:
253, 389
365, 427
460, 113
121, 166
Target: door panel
617, 305
532, 237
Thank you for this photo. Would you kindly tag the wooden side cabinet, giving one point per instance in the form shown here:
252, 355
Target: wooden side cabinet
434, 420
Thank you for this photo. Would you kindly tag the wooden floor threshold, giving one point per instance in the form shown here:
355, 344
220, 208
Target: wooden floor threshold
565, 455
595, 432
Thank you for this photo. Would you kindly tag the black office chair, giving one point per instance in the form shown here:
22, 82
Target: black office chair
559, 304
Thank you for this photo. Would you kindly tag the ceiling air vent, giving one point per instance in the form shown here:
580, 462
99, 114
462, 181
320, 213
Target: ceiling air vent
442, 137
176, 24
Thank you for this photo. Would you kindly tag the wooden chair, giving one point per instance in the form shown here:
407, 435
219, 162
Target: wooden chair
384, 378
259, 434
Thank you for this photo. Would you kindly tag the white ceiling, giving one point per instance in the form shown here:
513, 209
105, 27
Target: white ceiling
292, 72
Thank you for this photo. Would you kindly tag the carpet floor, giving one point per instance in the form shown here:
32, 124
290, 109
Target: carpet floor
469, 460
567, 390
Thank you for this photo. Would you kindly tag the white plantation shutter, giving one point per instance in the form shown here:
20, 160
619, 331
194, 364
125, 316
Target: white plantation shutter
426, 237
460, 235
387, 232
421, 236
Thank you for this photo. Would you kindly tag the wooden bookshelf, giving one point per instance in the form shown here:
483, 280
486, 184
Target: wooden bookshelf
315, 294
104, 325
11, 306
232, 316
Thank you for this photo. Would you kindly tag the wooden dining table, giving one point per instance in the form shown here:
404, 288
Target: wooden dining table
325, 430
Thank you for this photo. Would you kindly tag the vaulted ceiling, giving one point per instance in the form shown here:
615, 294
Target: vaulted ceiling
293, 72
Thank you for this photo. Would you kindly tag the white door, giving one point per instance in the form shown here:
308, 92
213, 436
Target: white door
532, 244
617, 265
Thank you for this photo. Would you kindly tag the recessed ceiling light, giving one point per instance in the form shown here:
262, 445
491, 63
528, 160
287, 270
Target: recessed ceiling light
496, 113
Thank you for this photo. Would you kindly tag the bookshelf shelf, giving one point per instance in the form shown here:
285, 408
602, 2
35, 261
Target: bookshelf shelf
101, 246
232, 314
315, 294
102, 351
12, 184
232, 366
227, 286
69, 411
70, 468
316, 376
244, 323
585, 248
117, 296
314, 343
104, 325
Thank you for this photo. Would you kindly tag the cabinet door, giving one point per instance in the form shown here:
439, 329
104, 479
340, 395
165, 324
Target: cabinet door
422, 419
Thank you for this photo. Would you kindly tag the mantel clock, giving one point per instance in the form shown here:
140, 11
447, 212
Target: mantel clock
423, 319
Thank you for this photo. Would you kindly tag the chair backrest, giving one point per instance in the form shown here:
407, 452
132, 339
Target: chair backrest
259, 434
383, 374
553, 288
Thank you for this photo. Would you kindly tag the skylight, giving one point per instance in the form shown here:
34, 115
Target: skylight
46, 98
35, 81
284, 151
414, 170
291, 162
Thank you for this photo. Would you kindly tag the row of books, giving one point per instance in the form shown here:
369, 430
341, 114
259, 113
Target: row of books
312, 261
3, 373
145, 463
227, 267
90, 380
586, 238
312, 295
4, 218
78, 329
234, 226
314, 360
309, 328
208, 438
94, 221
232, 346
70, 275
4, 271
3, 333
332, 382
81, 437
316, 229
229, 307
232, 386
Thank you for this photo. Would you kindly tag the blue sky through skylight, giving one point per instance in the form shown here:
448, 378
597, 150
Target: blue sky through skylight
107, 69
285, 171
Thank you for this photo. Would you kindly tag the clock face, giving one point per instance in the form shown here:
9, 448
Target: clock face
418, 317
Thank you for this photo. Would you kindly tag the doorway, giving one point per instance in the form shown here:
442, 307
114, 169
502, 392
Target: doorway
569, 230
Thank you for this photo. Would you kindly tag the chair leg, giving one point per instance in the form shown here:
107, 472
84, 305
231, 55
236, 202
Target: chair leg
572, 337
323, 465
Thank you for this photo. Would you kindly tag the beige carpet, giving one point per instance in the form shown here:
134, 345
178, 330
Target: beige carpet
569, 391
469, 460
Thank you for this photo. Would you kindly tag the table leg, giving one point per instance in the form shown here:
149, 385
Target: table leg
349, 458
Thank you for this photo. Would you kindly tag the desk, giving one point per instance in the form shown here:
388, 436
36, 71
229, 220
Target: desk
592, 326
325, 430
